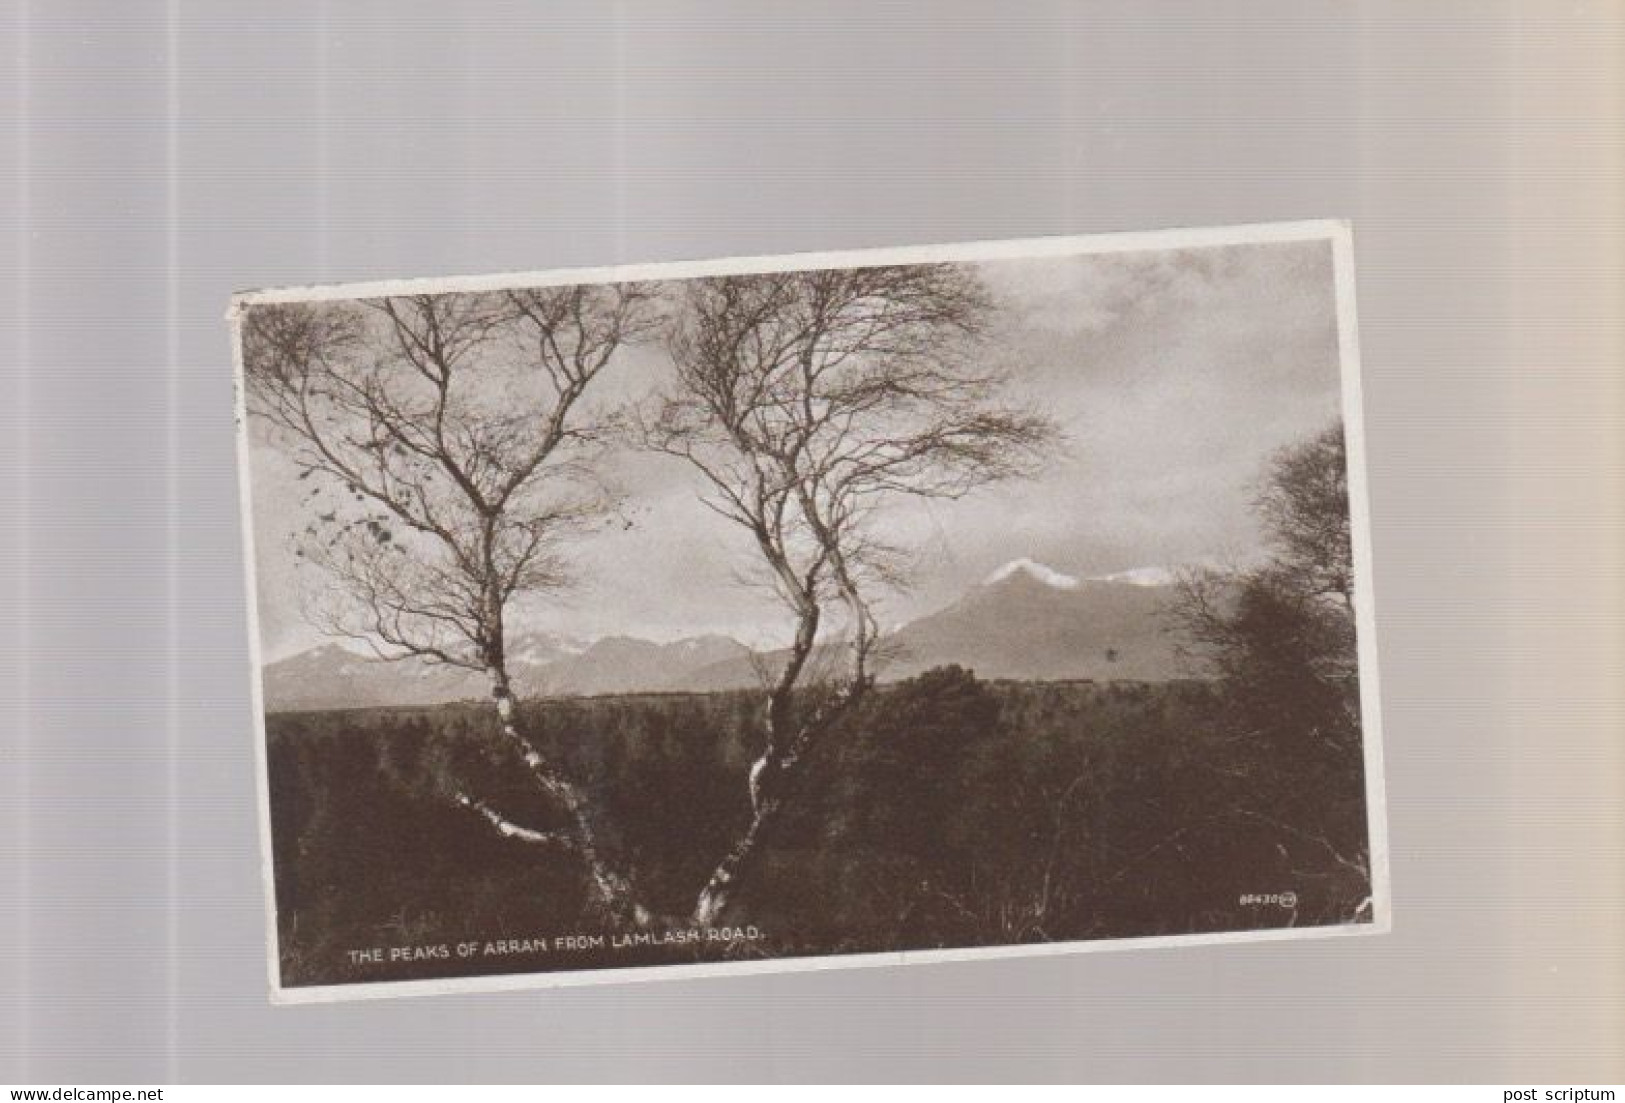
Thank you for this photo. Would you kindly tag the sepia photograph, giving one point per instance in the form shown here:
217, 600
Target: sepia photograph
854, 608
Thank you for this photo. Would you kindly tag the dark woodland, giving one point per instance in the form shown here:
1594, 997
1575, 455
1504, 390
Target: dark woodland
945, 811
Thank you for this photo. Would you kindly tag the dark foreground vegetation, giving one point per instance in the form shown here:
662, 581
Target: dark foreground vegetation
948, 812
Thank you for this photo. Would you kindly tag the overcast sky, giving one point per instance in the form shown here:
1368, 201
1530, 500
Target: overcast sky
1173, 373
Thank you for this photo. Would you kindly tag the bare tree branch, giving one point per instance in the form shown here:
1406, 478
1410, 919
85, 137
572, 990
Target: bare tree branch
448, 451
804, 400
508, 828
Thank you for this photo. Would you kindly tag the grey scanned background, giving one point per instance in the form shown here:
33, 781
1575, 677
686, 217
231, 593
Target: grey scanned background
159, 157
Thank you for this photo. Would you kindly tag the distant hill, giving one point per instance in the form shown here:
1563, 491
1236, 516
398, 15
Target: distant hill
332, 676
622, 664
1025, 621
1030, 622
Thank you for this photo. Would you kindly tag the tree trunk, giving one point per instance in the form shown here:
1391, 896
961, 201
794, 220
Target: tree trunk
611, 891
765, 771
772, 782
718, 891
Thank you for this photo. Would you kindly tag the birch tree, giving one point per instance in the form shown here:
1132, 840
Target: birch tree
806, 401
444, 440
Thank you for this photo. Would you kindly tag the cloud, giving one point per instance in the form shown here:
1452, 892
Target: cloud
1175, 375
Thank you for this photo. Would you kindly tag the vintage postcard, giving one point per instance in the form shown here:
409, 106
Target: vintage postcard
799, 612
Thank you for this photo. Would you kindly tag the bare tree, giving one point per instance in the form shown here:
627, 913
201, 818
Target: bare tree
1305, 503
807, 400
445, 437
1280, 639
1296, 609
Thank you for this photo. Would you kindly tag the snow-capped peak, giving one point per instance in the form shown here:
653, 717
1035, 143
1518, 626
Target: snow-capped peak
543, 647
1140, 576
1049, 576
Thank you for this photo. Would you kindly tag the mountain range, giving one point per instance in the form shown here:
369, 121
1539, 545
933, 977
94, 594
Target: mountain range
1024, 621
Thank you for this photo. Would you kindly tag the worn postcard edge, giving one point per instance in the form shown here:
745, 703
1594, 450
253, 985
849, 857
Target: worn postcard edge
1336, 232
